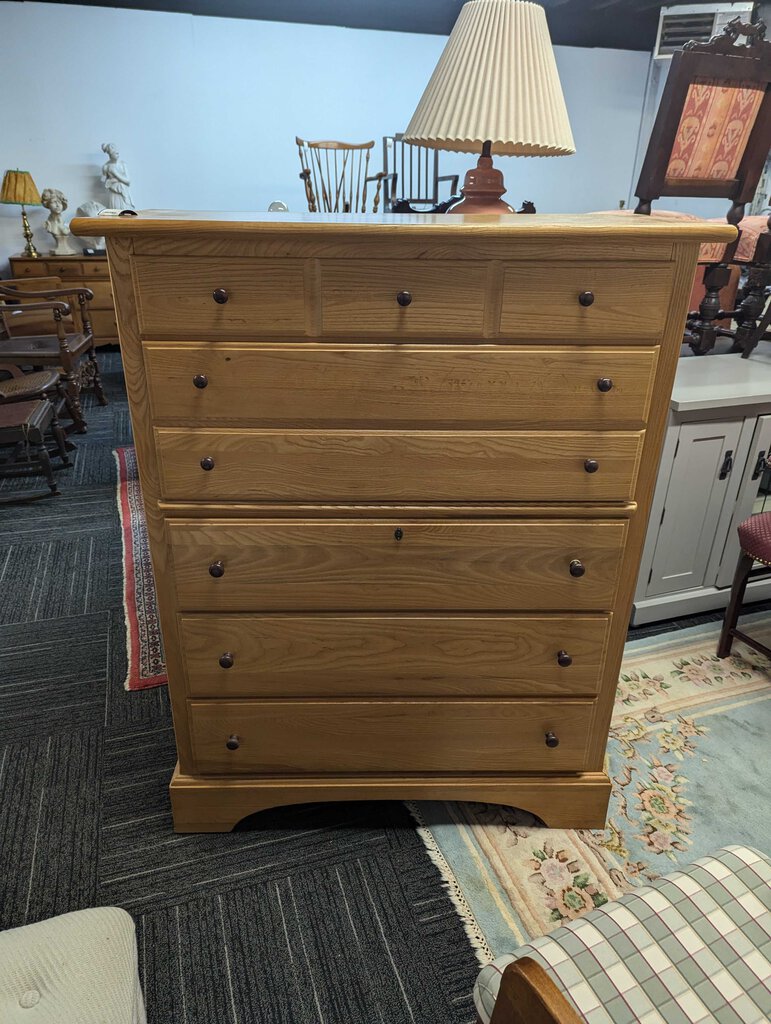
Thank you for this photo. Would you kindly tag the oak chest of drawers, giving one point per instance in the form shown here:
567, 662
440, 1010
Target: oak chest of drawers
397, 473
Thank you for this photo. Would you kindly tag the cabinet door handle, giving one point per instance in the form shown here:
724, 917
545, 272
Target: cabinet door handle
564, 660
552, 740
728, 462
217, 569
404, 298
220, 296
760, 466
577, 568
227, 660
586, 298
233, 742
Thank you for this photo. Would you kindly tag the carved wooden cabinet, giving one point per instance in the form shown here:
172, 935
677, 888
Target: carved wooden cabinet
397, 473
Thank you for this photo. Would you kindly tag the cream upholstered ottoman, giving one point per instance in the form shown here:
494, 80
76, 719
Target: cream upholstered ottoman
695, 946
80, 968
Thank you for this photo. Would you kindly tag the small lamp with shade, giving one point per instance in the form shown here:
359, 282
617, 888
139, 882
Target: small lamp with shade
18, 189
495, 90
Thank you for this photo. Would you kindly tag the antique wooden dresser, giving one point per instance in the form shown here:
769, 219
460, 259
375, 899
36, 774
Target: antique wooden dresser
397, 473
78, 271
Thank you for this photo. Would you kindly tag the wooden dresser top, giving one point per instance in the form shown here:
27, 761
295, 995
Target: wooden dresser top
588, 225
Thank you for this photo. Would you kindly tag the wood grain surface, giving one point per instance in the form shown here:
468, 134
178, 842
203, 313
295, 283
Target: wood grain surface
386, 736
392, 655
399, 385
343, 565
264, 465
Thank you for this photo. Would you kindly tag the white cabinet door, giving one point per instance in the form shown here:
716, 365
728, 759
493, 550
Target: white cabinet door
754, 496
698, 484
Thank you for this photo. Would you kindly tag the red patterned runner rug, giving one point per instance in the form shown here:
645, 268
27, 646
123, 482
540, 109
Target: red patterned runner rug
146, 666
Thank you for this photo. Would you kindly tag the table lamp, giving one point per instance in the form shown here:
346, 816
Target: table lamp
19, 189
494, 90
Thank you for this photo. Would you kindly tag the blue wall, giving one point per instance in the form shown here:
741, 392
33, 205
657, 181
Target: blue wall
205, 110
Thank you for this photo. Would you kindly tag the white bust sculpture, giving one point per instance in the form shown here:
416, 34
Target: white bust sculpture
115, 177
55, 202
91, 209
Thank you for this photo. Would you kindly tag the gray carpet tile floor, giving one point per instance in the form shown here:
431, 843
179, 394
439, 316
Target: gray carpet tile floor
320, 914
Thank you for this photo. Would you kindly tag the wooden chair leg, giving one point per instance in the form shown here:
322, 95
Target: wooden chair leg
738, 588
100, 396
60, 437
74, 407
41, 453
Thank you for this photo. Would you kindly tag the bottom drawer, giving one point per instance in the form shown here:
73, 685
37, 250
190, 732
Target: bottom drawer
289, 737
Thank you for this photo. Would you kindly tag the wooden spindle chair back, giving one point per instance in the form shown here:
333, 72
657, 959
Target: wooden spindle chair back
336, 176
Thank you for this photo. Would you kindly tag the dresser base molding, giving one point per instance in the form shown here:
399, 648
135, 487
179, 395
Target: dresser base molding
216, 804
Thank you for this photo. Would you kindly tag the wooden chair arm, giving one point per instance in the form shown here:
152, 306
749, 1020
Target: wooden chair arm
26, 307
528, 996
18, 293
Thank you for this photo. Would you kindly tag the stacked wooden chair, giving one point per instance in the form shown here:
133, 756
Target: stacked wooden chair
46, 357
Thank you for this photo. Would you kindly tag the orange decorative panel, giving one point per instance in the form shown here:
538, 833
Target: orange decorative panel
714, 129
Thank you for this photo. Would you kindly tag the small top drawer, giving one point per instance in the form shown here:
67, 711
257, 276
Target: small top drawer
585, 301
68, 270
205, 296
30, 268
402, 298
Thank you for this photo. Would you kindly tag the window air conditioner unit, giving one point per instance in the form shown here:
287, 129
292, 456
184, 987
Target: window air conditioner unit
677, 25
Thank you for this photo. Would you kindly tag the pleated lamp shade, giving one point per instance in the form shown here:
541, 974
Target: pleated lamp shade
19, 189
496, 81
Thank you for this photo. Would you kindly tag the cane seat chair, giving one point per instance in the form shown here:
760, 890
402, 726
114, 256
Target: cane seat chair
69, 345
755, 544
336, 176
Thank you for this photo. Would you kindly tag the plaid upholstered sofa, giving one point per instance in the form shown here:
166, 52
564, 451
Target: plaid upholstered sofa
692, 948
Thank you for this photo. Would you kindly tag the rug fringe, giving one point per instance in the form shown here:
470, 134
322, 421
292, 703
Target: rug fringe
452, 887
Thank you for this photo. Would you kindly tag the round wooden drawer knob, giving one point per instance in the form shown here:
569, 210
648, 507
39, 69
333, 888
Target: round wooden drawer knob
233, 742
604, 384
217, 569
586, 298
551, 740
564, 659
398, 533
220, 296
577, 568
404, 298
227, 660
591, 465
200, 381
207, 463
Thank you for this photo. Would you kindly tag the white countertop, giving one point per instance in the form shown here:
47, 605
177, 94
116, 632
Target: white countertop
724, 381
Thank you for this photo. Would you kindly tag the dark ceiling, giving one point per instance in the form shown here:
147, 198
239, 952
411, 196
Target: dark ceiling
623, 24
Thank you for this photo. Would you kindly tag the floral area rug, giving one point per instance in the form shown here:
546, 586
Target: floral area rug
144, 645
689, 761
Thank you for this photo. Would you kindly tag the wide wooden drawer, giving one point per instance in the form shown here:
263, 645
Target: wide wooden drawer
31, 268
277, 737
307, 385
403, 298
176, 296
401, 565
627, 300
327, 655
365, 465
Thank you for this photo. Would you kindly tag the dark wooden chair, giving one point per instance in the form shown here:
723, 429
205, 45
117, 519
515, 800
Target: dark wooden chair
710, 139
755, 542
23, 430
411, 178
70, 347
529, 996
336, 176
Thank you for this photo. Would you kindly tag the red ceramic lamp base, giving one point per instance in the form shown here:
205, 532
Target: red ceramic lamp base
482, 189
